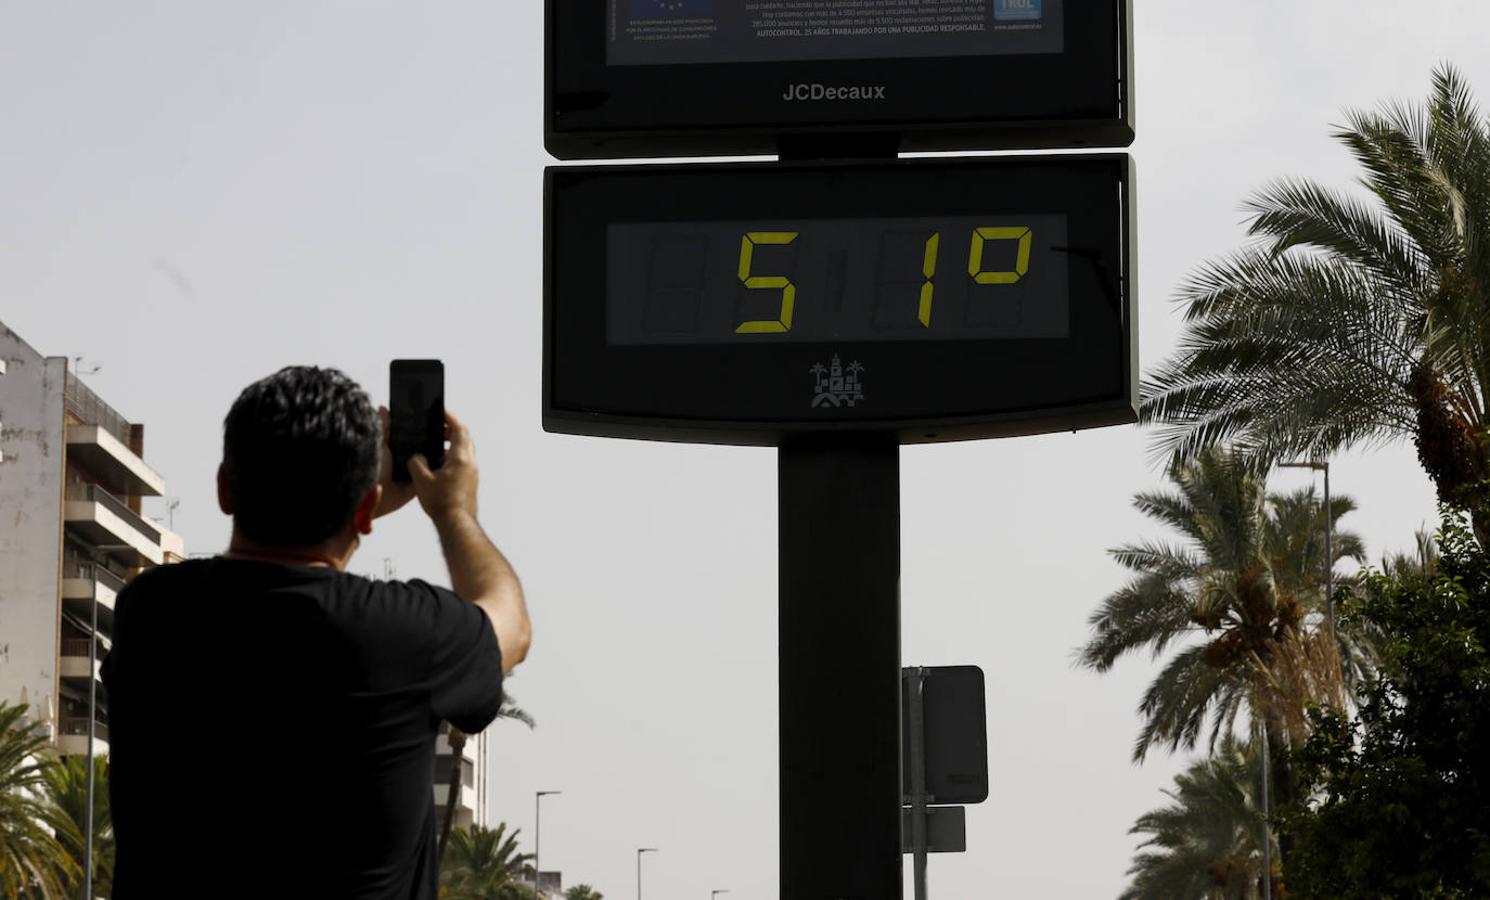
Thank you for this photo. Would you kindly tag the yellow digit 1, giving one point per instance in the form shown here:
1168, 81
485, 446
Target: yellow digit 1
1021, 263
928, 268
788, 290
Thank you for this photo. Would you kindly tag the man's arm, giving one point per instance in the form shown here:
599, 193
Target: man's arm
478, 571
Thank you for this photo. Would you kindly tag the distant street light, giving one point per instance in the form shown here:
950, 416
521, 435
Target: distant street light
537, 835
713, 894
639, 852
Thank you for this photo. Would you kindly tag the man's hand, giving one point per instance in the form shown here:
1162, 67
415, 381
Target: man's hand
395, 494
452, 489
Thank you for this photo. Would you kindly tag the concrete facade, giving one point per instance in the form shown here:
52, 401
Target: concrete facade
32, 463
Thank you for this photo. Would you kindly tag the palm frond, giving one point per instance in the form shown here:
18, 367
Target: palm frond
1150, 611
1175, 704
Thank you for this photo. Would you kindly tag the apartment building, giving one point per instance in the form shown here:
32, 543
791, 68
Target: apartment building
72, 475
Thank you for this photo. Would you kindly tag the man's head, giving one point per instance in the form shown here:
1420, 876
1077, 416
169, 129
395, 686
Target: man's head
300, 458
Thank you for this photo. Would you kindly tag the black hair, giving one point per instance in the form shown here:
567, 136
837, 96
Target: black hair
300, 450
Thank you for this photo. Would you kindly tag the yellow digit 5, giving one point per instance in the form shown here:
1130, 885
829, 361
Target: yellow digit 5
788, 290
1021, 263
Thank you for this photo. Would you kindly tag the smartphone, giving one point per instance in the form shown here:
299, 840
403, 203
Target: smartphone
416, 413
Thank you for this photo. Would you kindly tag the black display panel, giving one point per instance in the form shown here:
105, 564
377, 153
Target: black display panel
770, 280
670, 32
644, 78
1067, 362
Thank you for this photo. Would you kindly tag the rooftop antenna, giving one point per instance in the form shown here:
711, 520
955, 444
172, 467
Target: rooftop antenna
171, 512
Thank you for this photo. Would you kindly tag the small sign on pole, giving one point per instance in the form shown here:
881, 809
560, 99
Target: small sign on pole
954, 734
946, 829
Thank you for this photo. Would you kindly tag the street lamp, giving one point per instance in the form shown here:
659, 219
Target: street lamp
1329, 612
537, 835
1329, 540
713, 894
639, 852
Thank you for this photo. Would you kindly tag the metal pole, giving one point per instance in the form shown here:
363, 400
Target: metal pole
1329, 543
713, 894
537, 836
838, 659
1267, 841
92, 714
917, 683
639, 852
1329, 557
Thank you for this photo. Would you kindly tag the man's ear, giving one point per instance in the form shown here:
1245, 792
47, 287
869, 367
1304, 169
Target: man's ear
363, 517
224, 496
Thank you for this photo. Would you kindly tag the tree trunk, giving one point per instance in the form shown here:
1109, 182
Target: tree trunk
1285, 788
1450, 451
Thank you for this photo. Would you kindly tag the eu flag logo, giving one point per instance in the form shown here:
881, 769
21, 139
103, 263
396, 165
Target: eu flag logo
1006, 10
657, 9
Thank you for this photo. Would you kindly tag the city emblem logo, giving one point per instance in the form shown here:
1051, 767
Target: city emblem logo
837, 384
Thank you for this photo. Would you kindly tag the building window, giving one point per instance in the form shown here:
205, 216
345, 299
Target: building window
442, 771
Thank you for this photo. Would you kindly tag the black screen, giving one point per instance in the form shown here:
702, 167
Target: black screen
991, 277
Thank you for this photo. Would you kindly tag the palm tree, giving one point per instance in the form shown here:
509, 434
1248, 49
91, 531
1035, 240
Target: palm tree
1206, 845
1353, 321
67, 791
484, 864
582, 892
506, 709
33, 861
1248, 584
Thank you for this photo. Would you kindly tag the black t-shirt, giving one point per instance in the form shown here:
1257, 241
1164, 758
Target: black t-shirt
272, 729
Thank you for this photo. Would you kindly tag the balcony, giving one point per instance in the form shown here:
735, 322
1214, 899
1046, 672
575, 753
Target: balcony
74, 662
87, 407
86, 583
104, 520
465, 801
73, 739
97, 450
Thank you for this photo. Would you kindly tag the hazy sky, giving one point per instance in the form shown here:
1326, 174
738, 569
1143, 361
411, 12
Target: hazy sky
193, 195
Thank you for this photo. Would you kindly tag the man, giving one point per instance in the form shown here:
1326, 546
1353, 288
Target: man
273, 717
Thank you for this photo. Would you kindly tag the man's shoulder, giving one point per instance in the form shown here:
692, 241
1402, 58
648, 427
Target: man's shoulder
165, 577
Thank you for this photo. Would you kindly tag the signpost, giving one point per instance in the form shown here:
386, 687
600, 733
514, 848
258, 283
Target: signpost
945, 738
836, 304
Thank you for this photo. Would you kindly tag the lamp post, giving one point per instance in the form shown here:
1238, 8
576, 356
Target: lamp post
639, 852
1329, 613
92, 714
713, 894
537, 839
1329, 540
